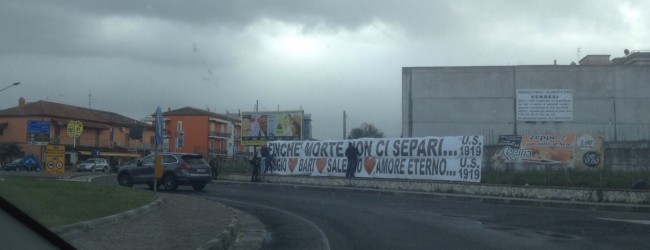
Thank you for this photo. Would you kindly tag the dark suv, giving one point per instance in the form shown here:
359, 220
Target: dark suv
179, 169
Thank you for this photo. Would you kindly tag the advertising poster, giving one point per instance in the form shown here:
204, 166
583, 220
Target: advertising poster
454, 158
566, 150
261, 127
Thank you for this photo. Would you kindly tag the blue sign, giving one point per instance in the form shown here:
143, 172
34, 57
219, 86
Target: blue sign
31, 161
159, 125
38, 127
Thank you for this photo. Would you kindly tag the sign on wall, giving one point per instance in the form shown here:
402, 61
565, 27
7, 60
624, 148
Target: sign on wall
453, 158
544, 105
257, 128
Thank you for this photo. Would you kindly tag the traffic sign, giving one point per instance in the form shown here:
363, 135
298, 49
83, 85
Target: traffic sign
159, 125
55, 150
38, 132
55, 157
31, 161
38, 127
75, 128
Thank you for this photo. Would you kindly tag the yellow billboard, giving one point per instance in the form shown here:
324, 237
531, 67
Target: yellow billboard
257, 128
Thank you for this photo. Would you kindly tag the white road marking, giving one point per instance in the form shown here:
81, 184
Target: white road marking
643, 222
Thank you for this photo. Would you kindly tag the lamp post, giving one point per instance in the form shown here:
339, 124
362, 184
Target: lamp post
14, 84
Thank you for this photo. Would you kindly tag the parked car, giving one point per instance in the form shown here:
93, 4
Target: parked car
179, 169
19, 165
126, 163
94, 164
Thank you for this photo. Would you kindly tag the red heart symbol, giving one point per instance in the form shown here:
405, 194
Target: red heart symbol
292, 164
320, 165
369, 164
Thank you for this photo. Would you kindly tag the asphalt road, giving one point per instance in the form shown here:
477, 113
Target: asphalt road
306, 218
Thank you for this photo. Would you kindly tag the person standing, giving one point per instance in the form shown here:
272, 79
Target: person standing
255, 162
264, 152
270, 162
352, 153
214, 167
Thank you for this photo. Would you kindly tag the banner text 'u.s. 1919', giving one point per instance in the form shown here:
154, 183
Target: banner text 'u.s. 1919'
452, 158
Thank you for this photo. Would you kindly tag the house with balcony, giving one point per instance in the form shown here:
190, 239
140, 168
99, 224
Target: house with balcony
105, 134
192, 130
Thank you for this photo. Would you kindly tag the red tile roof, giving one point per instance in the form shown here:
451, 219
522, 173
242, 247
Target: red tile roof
195, 111
68, 112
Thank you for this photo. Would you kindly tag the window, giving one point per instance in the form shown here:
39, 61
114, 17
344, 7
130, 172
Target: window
149, 160
169, 159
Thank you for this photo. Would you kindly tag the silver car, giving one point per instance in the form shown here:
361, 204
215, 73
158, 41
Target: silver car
94, 164
179, 169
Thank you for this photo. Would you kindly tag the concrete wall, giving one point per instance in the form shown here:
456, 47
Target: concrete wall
439, 101
541, 193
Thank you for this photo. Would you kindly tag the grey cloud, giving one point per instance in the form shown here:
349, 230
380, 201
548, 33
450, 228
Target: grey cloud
191, 52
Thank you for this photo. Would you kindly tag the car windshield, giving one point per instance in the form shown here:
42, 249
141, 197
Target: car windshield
326, 124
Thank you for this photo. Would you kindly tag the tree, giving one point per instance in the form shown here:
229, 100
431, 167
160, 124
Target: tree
364, 131
10, 151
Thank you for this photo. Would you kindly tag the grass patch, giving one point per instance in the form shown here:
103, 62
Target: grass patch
56, 203
235, 168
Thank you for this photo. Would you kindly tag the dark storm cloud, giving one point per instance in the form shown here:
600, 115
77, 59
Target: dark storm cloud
177, 53
61, 27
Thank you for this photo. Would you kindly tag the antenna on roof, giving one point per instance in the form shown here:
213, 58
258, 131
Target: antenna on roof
89, 98
578, 54
626, 52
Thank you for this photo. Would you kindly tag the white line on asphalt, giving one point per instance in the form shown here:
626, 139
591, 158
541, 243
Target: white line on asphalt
644, 222
324, 239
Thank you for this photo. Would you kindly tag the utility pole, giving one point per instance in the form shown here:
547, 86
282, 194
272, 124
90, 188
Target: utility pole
344, 118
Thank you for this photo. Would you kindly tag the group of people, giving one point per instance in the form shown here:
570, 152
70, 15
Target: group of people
265, 161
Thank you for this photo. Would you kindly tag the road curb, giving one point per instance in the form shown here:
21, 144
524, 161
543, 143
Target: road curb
107, 220
487, 199
226, 238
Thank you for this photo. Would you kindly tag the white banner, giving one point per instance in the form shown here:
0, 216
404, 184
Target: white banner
452, 158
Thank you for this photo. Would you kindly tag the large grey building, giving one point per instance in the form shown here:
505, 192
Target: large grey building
597, 96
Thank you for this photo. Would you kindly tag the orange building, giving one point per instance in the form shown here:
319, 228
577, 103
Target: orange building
192, 130
106, 133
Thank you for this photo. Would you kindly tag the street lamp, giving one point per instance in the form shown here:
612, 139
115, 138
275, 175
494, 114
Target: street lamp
14, 84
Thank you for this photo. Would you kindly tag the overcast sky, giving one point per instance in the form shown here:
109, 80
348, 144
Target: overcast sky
325, 57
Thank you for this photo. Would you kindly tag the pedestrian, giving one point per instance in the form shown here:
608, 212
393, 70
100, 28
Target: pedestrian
352, 153
255, 162
214, 167
264, 152
269, 162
